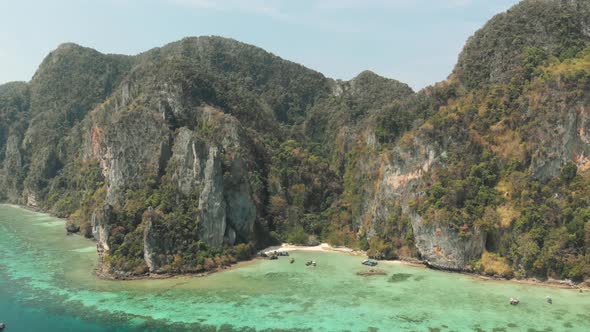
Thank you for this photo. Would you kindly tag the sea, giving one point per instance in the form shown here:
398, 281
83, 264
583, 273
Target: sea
47, 283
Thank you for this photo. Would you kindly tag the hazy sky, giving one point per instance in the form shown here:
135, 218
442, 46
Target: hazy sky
414, 41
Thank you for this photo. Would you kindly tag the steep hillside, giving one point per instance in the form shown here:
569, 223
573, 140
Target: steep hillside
495, 54
177, 143
490, 176
190, 156
287, 88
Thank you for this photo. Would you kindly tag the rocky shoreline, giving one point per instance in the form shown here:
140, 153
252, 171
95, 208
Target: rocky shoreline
325, 247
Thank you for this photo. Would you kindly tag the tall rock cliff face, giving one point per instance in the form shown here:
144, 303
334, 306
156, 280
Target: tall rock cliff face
211, 202
185, 157
565, 137
156, 249
541, 127
14, 105
396, 183
133, 147
13, 163
152, 138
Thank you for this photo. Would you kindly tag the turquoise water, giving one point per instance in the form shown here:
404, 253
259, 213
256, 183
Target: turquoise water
47, 283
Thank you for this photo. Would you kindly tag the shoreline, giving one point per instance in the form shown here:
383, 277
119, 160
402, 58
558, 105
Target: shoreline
149, 276
323, 247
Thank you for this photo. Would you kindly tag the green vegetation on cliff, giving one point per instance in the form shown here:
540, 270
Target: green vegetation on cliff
188, 157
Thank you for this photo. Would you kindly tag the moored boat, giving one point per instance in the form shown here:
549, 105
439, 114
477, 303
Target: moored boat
369, 262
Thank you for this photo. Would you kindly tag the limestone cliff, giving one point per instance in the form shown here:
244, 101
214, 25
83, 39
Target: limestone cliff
187, 157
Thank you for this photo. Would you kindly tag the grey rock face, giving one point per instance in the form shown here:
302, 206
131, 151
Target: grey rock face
101, 226
189, 157
565, 139
133, 149
12, 167
241, 212
135, 145
444, 248
401, 172
211, 201
156, 249
241, 209
212, 169
224, 199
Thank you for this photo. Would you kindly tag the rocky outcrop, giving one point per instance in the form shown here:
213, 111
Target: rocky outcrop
211, 201
442, 247
156, 248
135, 148
217, 171
241, 210
566, 138
71, 227
101, 223
13, 162
187, 159
401, 173
238, 190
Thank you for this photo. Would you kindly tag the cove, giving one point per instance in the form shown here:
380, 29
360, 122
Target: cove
47, 282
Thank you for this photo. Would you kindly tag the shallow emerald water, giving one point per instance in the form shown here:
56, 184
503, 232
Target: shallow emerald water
47, 282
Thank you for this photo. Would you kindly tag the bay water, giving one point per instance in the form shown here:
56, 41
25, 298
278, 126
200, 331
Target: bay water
47, 283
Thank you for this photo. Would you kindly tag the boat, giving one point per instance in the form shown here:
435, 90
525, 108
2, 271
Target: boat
310, 263
282, 253
2, 326
549, 299
292, 260
273, 257
369, 262
514, 301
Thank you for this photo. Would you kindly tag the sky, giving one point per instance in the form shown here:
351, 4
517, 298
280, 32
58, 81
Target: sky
414, 41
